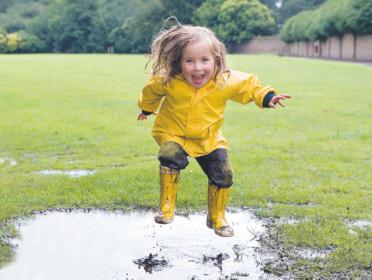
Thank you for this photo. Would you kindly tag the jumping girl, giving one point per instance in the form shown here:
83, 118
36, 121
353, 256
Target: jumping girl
188, 89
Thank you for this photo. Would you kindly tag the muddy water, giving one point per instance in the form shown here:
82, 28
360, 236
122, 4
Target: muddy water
106, 245
70, 173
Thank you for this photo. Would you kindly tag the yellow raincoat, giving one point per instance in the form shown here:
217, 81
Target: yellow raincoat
193, 117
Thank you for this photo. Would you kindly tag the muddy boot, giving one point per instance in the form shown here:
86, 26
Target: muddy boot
209, 219
169, 179
217, 200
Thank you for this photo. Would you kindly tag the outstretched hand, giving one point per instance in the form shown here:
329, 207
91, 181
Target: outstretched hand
142, 116
278, 99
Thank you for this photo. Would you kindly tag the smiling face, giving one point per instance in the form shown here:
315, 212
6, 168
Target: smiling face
197, 63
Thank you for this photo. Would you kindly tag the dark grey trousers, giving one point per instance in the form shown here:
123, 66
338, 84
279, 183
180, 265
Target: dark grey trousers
216, 165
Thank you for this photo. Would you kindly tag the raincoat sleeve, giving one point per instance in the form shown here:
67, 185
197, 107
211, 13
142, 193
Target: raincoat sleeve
247, 88
152, 94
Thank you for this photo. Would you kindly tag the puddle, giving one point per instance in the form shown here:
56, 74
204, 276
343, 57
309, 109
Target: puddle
107, 245
289, 221
11, 161
359, 223
70, 173
311, 254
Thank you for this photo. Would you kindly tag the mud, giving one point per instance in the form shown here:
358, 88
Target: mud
107, 245
151, 263
70, 173
217, 260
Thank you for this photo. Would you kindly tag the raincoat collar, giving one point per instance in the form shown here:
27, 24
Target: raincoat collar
206, 89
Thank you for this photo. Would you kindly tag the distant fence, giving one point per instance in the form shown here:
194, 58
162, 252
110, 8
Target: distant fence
262, 44
346, 47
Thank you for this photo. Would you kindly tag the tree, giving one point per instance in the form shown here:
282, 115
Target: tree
39, 26
207, 14
311, 25
333, 18
30, 43
4, 4
181, 9
12, 22
138, 31
75, 26
235, 21
91, 25
15, 14
360, 17
113, 14
13, 42
271, 4
135, 34
240, 20
290, 8
3, 41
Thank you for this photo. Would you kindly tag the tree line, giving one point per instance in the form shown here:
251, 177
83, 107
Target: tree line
333, 18
128, 26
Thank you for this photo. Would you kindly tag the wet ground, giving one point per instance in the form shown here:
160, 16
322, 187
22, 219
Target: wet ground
70, 173
7, 160
107, 245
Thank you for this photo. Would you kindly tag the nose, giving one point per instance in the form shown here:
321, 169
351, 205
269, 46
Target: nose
197, 65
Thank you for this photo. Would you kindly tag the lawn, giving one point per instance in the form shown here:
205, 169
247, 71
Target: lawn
307, 167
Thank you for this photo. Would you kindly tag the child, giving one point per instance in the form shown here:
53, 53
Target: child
188, 91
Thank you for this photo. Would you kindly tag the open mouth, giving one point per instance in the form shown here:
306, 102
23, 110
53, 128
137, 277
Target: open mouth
197, 79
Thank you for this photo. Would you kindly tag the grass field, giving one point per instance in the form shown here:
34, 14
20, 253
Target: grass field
309, 163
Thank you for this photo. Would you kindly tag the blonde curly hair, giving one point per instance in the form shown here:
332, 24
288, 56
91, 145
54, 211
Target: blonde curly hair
167, 47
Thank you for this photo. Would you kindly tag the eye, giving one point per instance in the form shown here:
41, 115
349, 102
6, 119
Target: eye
205, 59
188, 60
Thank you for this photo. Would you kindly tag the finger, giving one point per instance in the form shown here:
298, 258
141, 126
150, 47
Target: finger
281, 103
281, 97
285, 95
272, 105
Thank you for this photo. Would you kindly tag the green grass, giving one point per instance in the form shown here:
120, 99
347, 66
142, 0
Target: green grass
310, 161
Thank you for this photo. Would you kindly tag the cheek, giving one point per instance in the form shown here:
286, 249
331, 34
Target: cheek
185, 69
210, 67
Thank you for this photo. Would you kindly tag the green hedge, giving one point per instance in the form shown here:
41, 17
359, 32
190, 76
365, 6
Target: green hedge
335, 17
20, 42
3, 41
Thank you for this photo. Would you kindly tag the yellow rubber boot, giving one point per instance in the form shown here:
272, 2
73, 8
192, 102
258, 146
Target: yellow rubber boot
209, 219
217, 200
169, 179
